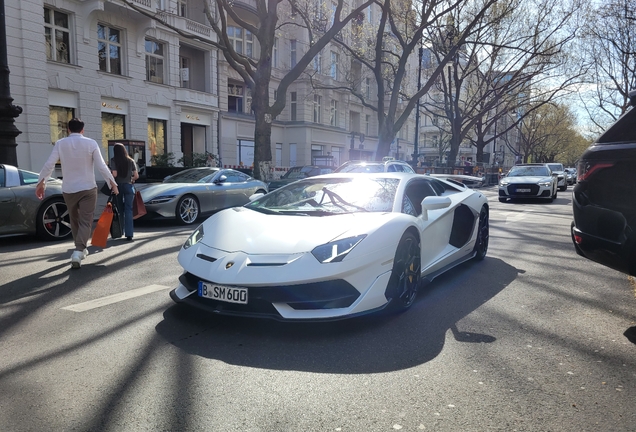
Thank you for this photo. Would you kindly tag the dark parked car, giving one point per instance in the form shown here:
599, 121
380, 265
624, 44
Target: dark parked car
297, 173
604, 199
21, 212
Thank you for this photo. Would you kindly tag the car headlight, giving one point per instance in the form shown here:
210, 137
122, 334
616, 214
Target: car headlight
161, 199
335, 251
545, 183
504, 182
195, 237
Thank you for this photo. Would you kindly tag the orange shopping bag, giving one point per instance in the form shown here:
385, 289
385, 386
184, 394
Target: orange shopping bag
100, 235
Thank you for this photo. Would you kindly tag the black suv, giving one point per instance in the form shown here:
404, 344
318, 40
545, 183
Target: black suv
604, 199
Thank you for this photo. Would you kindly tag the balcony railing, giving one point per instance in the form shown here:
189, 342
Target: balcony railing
186, 25
146, 3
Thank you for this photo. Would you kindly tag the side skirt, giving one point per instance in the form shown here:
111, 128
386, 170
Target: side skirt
429, 277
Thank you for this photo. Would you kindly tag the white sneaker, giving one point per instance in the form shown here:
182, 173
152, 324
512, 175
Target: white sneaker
84, 253
76, 259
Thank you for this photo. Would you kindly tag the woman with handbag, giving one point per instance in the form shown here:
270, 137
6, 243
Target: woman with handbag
124, 170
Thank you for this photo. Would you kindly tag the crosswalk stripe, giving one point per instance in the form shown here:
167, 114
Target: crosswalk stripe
115, 298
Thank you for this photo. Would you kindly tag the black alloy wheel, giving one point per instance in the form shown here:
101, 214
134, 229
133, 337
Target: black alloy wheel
405, 277
483, 233
53, 221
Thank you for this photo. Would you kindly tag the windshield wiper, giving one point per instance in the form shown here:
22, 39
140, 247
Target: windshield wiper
334, 196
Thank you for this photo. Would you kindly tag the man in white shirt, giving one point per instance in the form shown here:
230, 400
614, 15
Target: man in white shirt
79, 156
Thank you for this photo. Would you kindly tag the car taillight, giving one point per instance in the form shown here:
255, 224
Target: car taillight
586, 168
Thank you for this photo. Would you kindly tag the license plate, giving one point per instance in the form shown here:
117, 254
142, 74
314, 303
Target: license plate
223, 293
523, 190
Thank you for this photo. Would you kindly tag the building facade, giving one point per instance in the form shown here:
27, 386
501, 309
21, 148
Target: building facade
132, 79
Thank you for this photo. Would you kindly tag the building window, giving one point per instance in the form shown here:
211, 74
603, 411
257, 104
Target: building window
156, 137
57, 36
245, 152
367, 124
336, 152
154, 61
367, 88
293, 105
248, 100
275, 53
333, 72
333, 113
113, 128
59, 117
279, 154
235, 93
184, 72
182, 8
316, 109
109, 49
316, 150
292, 49
318, 63
242, 40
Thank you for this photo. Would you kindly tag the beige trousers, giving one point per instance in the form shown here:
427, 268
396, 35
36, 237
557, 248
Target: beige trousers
81, 208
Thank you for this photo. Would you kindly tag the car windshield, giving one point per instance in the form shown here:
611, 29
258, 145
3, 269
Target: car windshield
192, 176
556, 167
324, 197
363, 168
529, 171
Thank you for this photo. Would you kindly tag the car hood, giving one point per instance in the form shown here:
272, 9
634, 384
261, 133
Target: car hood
240, 229
526, 179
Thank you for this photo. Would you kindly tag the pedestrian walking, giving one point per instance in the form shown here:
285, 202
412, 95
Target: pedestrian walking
124, 169
78, 156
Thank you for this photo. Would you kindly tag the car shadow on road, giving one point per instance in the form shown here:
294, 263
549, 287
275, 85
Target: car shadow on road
369, 344
630, 334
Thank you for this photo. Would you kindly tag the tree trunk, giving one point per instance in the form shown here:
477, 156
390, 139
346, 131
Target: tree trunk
263, 167
385, 139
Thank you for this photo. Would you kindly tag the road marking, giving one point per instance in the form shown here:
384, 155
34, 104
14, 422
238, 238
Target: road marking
115, 298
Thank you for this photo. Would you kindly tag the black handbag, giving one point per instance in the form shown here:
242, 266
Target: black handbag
116, 227
105, 189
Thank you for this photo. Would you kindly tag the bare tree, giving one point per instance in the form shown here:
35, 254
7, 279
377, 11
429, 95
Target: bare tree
385, 51
272, 16
505, 70
609, 40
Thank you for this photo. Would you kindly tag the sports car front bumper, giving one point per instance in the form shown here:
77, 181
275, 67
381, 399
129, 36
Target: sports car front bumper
297, 287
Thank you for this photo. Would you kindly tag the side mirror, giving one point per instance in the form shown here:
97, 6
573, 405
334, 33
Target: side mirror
434, 203
256, 196
220, 179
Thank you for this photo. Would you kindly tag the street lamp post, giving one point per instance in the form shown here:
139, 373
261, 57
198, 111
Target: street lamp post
8, 111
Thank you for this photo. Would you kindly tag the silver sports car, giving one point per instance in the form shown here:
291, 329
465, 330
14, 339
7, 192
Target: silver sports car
21, 212
197, 191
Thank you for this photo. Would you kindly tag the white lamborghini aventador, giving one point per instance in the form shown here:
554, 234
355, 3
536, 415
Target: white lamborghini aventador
332, 246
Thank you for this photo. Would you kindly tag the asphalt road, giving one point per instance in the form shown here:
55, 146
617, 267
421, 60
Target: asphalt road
530, 339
